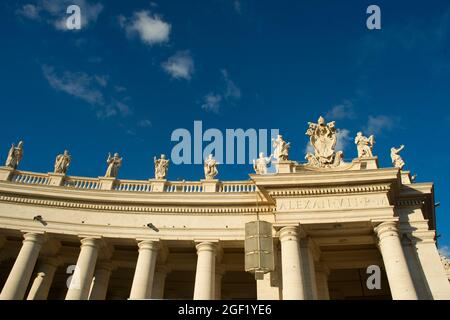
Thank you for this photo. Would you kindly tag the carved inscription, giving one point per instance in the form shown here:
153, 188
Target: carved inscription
332, 203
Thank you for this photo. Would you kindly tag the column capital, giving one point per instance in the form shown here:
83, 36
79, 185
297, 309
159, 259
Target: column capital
149, 244
387, 229
206, 246
34, 237
94, 242
292, 232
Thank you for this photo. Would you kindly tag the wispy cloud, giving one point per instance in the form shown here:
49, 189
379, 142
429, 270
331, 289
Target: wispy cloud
211, 102
341, 111
379, 124
343, 139
89, 88
445, 251
180, 65
230, 93
54, 12
150, 28
144, 123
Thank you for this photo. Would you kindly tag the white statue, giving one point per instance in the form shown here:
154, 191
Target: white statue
323, 138
397, 160
210, 168
281, 148
114, 163
15, 154
161, 167
62, 162
260, 164
364, 145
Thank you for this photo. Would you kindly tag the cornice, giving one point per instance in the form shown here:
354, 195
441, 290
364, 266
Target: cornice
126, 208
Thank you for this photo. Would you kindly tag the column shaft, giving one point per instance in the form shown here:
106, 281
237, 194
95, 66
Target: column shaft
205, 272
293, 279
399, 277
100, 282
21, 272
159, 282
84, 270
43, 280
145, 270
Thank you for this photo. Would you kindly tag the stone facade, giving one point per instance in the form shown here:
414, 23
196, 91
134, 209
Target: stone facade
64, 237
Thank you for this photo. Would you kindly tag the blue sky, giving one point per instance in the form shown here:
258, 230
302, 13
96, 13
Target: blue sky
138, 70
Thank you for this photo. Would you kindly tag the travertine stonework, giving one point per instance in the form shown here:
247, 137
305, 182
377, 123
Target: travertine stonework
67, 237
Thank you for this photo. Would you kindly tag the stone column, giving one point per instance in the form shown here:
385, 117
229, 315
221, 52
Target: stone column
293, 279
84, 270
159, 282
145, 269
205, 272
433, 269
100, 282
42, 282
220, 271
21, 272
400, 281
322, 272
308, 268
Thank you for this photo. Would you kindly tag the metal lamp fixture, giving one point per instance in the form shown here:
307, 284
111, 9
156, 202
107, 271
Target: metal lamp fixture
259, 256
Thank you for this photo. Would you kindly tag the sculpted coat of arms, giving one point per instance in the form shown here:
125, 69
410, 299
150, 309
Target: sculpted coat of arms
323, 138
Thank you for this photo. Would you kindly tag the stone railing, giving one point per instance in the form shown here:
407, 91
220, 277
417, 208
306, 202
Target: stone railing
132, 185
183, 186
121, 185
81, 183
237, 186
30, 178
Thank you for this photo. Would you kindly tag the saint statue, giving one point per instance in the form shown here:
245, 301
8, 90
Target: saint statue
114, 163
210, 168
364, 145
15, 154
281, 148
161, 167
397, 160
323, 138
62, 162
260, 164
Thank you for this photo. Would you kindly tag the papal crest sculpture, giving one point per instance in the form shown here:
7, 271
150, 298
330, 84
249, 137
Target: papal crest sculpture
323, 138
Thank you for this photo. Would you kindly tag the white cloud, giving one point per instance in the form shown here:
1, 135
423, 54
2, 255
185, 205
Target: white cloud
87, 88
341, 111
230, 93
380, 123
237, 6
343, 139
180, 65
150, 28
144, 123
29, 11
445, 251
54, 12
211, 102
231, 90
